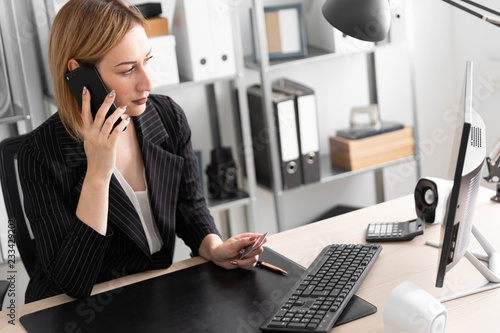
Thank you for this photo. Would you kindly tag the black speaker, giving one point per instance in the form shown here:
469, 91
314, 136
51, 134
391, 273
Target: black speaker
431, 198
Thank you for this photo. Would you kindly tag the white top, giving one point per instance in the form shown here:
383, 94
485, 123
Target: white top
140, 200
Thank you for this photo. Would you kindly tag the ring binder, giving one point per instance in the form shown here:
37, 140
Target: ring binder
204, 35
307, 127
286, 125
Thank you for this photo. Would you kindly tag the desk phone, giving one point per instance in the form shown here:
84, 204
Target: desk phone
394, 231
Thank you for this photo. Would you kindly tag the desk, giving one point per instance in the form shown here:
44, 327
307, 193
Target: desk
398, 262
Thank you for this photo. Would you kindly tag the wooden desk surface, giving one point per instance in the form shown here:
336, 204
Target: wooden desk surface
397, 263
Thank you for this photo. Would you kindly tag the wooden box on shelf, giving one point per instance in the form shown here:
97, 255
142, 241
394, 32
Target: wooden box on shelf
356, 154
156, 26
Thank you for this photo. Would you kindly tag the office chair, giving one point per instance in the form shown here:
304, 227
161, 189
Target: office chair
12, 195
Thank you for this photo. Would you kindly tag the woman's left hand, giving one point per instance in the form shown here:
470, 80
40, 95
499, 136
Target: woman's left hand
228, 253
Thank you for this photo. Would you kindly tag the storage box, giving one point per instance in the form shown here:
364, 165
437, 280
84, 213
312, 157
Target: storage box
356, 154
156, 26
163, 65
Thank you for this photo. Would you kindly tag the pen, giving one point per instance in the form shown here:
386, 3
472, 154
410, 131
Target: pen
270, 267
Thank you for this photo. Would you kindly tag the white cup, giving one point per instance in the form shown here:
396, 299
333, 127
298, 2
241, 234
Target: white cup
410, 309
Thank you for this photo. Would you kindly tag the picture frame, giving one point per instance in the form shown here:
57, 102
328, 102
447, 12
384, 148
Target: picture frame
285, 30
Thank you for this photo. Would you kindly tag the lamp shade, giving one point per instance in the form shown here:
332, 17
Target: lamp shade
368, 20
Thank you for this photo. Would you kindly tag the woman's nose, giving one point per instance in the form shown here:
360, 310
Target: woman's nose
145, 83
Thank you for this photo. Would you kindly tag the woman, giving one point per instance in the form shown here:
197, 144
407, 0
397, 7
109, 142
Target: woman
105, 203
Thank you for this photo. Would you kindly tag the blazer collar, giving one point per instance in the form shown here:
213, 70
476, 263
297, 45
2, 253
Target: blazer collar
159, 161
149, 126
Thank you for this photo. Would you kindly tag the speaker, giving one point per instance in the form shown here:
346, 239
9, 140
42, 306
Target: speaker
411, 309
431, 198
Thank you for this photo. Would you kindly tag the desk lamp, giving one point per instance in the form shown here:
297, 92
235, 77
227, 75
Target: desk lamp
369, 20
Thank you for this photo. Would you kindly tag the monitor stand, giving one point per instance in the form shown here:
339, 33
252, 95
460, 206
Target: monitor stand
491, 273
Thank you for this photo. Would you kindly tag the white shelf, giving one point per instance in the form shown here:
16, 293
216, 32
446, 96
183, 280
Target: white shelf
240, 199
186, 83
314, 54
330, 173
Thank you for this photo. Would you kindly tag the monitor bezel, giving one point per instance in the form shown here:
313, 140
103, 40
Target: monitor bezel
448, 224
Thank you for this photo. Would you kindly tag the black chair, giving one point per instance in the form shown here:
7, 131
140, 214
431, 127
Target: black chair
12, 195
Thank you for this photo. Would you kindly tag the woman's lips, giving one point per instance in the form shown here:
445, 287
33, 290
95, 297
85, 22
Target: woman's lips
140, 101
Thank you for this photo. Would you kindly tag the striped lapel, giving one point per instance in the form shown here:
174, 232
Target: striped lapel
123, 214
163, 168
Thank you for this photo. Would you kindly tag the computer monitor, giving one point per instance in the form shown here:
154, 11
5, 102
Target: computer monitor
466, 163
469, 153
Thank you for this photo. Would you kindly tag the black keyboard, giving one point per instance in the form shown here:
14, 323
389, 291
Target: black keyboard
317, 300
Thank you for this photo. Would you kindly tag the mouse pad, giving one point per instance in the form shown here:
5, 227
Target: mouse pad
202, 298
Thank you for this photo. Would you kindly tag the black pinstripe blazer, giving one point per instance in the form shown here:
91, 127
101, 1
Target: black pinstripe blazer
72, 257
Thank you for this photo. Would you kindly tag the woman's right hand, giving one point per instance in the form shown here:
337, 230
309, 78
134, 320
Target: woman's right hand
99, 142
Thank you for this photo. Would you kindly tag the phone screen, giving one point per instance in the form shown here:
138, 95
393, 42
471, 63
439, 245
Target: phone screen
89, 77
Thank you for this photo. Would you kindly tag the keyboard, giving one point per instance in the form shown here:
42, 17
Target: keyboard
317, 300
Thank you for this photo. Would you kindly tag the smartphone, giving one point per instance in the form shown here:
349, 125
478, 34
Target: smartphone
89, 77
258, 243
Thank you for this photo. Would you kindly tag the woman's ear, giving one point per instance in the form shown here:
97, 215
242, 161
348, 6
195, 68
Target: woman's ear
73, 64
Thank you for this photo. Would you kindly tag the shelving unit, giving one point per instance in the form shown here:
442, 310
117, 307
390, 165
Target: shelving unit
14, 67
265, 67
247, 197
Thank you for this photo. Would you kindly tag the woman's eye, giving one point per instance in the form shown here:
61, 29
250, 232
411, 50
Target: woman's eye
147, 59
128, 71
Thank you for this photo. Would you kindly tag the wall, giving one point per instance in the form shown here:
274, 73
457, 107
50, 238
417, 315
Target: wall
445, 38
435, 86
477, 41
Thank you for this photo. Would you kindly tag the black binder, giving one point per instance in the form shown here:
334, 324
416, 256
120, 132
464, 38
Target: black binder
288, 142
202, 298
307, 126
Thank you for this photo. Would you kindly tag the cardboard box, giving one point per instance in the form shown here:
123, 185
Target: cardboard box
163, 65
156, 26
356, 154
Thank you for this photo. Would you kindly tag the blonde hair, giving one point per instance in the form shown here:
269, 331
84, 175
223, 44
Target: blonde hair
84, 30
